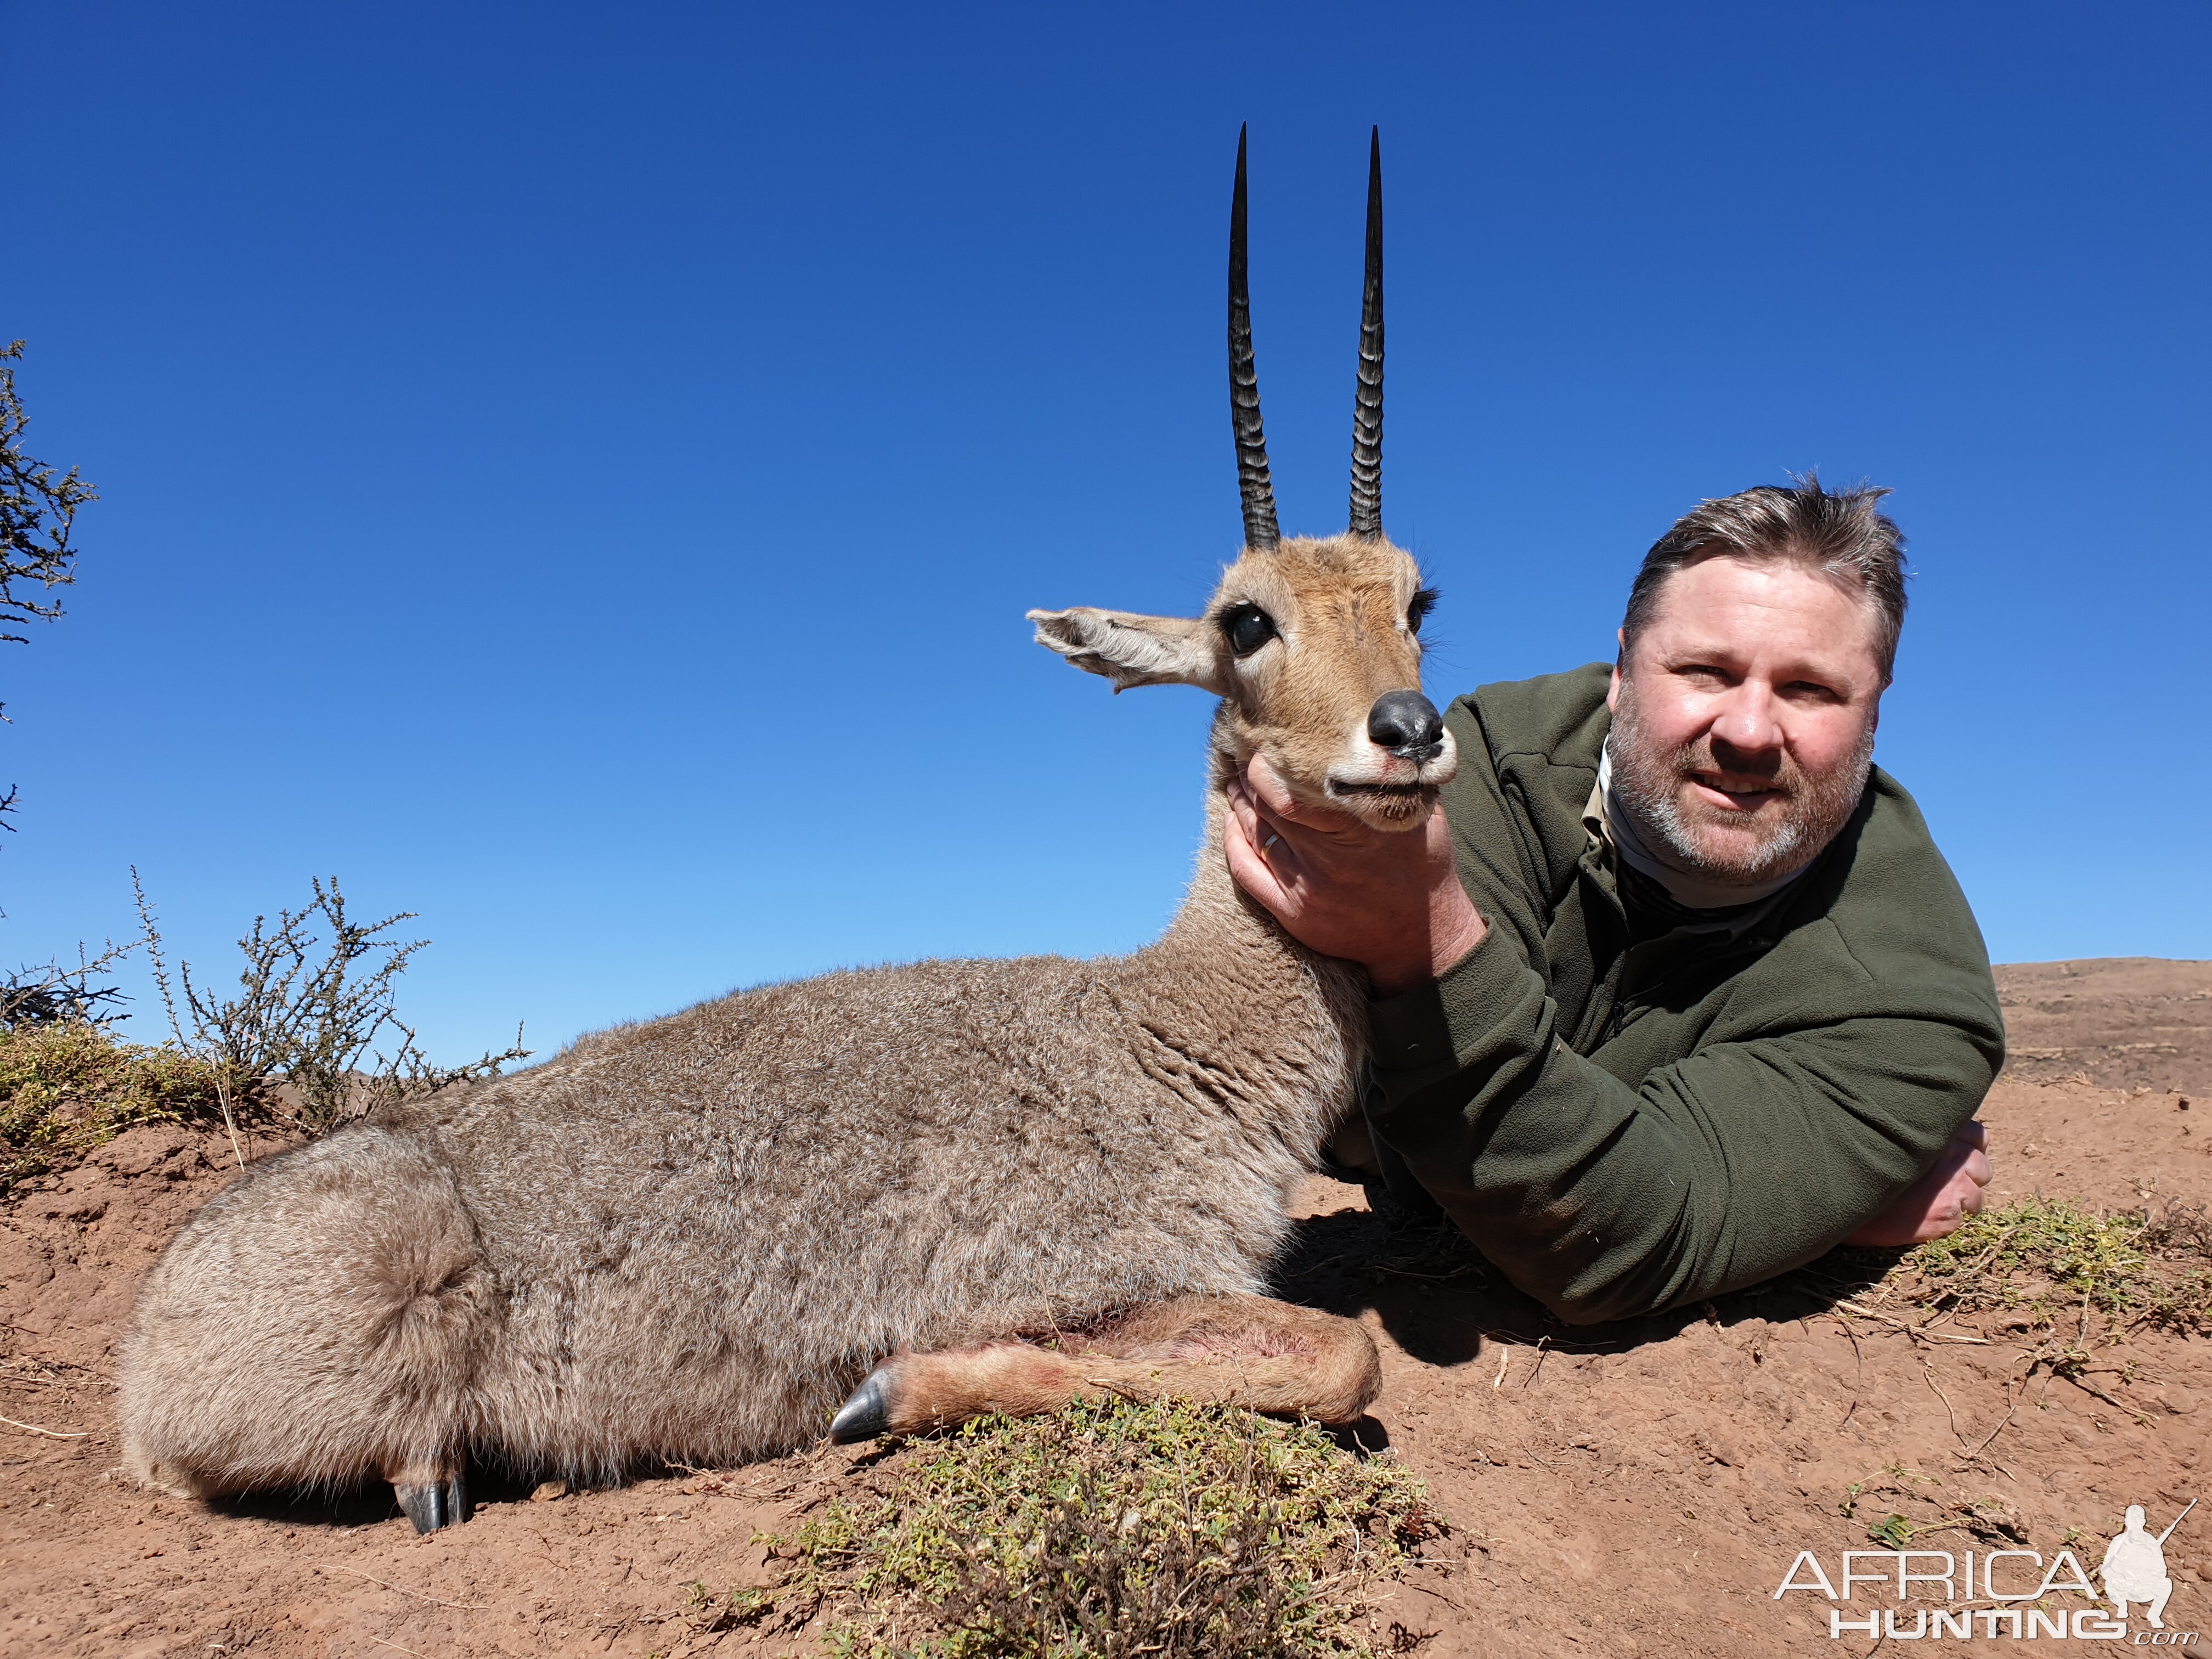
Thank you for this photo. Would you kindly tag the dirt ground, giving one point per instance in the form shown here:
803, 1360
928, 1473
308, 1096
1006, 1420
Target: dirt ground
1629, 1489
2125, 1023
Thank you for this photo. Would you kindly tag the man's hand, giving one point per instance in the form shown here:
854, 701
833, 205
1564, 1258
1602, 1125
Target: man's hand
1391, 902
1934, 1205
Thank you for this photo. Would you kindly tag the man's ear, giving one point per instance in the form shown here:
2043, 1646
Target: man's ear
1132, 650
1612, 686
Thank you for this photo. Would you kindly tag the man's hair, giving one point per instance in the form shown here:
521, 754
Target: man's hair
1839, 533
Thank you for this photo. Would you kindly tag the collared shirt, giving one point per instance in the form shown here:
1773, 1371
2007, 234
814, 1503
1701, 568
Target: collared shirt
1658, 900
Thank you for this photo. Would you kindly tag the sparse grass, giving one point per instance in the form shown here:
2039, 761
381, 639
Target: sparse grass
2041, 1263
2070, 1282
67, 1088
1897, 1489
1107, 1532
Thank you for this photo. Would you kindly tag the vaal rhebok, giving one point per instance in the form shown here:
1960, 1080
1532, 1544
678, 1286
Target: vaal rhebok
923, 1191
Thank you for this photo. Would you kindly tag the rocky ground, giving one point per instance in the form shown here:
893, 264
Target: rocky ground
1629, 1489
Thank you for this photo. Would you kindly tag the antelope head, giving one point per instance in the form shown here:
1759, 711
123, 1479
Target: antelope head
1313, 645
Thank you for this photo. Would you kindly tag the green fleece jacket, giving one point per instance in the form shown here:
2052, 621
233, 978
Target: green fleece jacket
1621, 1127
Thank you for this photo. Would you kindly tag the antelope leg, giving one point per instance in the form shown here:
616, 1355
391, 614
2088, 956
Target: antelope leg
912, 1392
433, 1501
866, 1415
1239, 1350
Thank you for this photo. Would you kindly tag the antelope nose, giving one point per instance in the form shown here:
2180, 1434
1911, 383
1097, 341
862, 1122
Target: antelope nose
1408, 725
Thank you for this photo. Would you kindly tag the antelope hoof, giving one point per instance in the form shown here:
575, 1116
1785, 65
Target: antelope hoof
866, 1414
431, 1505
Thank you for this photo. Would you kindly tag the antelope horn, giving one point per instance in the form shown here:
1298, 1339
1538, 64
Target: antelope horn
1252, 481
1367, 395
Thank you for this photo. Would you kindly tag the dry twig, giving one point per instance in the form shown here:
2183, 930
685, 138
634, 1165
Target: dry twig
1860, 1377
51, 1434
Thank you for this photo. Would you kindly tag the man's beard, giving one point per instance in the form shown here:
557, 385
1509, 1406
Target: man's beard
1648, 785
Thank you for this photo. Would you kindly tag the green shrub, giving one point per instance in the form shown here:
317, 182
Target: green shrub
1106, 1532
69, 1087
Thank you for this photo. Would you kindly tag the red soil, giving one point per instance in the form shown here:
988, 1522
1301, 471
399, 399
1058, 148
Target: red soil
1629, 1490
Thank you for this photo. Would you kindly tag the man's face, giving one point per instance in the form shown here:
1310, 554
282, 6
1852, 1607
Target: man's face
1744, 718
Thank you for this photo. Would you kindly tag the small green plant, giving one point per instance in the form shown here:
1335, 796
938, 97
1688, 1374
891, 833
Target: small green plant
67, 1087
1107, 1532
710, 1613
2040, 1255
2048, 1262
1893, 1531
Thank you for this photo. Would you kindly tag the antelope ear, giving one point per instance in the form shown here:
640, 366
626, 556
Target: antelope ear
1132, 650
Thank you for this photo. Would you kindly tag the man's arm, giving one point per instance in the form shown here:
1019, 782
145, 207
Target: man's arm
1934, 1206
1606, 1198
1600, 1198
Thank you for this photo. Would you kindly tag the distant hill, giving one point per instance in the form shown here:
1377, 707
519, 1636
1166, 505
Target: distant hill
2121, 1021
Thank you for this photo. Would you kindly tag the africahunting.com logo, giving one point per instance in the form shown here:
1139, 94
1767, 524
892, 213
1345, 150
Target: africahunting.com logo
2027, 1598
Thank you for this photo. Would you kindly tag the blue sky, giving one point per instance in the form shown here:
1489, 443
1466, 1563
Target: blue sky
577, 472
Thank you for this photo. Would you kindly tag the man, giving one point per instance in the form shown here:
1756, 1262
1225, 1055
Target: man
1675, 992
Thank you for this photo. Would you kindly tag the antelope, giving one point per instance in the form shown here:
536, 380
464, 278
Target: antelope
925, 1191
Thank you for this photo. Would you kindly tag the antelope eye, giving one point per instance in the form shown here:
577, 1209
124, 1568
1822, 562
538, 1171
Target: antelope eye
1424, 602
1248, 628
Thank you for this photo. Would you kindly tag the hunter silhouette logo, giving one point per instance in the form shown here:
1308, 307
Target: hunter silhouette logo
2133, 1569
2013, 1594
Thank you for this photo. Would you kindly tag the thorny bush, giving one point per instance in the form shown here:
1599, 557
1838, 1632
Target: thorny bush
62, 994
297, 1046
309, 1012
38, 515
